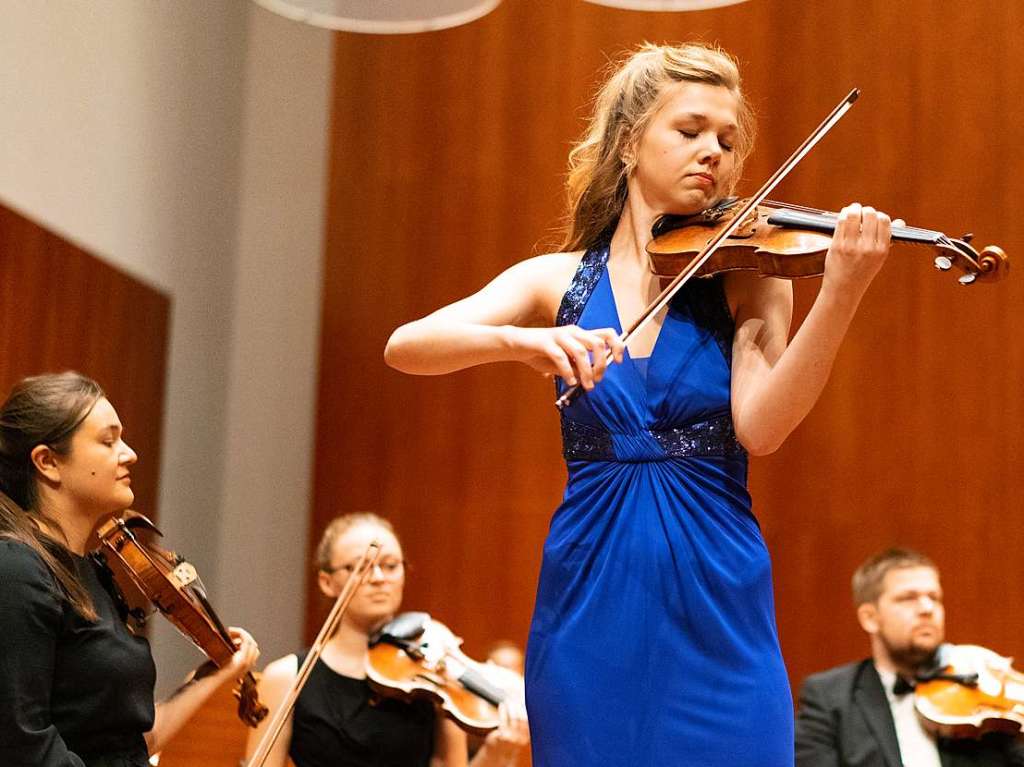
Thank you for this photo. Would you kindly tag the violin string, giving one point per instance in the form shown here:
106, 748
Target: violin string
909, 230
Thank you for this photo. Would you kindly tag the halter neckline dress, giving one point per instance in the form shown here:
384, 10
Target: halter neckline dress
653, 639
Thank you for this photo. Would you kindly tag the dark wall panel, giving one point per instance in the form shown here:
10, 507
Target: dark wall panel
62, 308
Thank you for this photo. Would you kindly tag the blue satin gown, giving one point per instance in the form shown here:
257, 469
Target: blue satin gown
653, 640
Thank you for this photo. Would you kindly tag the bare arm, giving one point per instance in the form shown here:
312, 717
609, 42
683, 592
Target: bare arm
509, 320
275, 682
172, 714
775, 386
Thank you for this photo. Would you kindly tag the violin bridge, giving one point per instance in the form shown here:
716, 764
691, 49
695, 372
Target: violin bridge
185, 573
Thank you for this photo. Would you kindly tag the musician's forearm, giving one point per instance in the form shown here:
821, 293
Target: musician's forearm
173, 712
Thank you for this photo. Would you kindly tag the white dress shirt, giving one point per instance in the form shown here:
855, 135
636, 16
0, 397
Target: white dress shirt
917, 744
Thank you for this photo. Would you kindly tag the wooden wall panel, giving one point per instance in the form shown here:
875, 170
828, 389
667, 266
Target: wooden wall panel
448, 154
64, 309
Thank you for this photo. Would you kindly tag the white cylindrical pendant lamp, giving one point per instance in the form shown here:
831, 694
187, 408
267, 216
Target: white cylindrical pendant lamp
382, 17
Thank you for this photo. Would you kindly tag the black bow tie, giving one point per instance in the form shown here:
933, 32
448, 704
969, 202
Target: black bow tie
902, 687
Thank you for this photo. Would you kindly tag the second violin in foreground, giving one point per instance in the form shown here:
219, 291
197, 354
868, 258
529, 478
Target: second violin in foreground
148, 577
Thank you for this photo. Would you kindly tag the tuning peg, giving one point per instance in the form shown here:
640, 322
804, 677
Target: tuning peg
967, 279
968, 237
943, 263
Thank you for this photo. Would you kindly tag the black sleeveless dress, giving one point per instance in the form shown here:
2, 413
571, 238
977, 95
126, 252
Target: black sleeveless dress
72, 692
340, 722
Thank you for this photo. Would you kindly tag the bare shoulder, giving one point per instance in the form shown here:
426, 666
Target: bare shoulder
281, 671
549, 276
549, 266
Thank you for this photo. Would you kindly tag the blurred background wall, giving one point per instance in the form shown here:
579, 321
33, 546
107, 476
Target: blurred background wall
183, 144
272, 179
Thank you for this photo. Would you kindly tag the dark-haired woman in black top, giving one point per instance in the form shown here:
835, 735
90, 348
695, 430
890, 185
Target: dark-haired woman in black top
76, 687
338, 721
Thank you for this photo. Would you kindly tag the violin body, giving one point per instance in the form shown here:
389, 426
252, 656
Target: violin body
985, 694
780, 240
415, 657
165, 581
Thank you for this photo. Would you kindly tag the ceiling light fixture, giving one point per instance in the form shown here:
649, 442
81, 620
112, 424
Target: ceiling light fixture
382, 17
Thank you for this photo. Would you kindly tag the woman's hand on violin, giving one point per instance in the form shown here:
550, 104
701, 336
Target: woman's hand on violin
503, 745
247, 652
513, 734
574, 354
859, 248
173, 713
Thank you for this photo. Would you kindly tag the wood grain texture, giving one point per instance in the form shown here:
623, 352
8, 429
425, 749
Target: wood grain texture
447, 162
62, 308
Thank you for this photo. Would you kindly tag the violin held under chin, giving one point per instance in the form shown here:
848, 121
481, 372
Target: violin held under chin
782, 240
972, 691
149, 578
414, 656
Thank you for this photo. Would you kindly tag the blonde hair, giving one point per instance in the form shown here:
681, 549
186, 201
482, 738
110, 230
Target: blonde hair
622, 110
338, 527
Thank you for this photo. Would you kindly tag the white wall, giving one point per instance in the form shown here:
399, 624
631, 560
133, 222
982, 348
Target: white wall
274, 352
184, 141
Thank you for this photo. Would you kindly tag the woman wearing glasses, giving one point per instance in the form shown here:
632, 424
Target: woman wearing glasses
337, 719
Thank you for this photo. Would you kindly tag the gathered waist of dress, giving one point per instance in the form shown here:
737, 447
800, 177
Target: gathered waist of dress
712, 437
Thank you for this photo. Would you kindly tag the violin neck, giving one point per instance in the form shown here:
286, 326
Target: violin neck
826, 222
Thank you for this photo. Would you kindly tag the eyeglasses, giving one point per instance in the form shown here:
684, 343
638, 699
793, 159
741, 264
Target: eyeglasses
389, 568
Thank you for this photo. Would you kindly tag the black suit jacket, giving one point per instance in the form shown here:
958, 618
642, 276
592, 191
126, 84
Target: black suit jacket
845, 721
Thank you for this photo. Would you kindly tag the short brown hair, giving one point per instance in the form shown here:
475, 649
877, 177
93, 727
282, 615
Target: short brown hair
868, 578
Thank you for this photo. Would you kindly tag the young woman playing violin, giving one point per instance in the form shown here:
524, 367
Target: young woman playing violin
76, 687
337, 719
653, 639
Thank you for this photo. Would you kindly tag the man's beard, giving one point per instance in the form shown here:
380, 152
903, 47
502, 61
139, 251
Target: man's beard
914, 655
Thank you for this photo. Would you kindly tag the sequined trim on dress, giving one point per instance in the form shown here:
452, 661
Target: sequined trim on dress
713, 437
583, 281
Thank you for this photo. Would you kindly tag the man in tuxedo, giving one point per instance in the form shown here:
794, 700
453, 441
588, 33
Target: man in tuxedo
862, 714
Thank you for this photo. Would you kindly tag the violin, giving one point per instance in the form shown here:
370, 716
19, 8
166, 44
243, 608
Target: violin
416, 657
149, 578
782, 240
701, 250
971, 692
